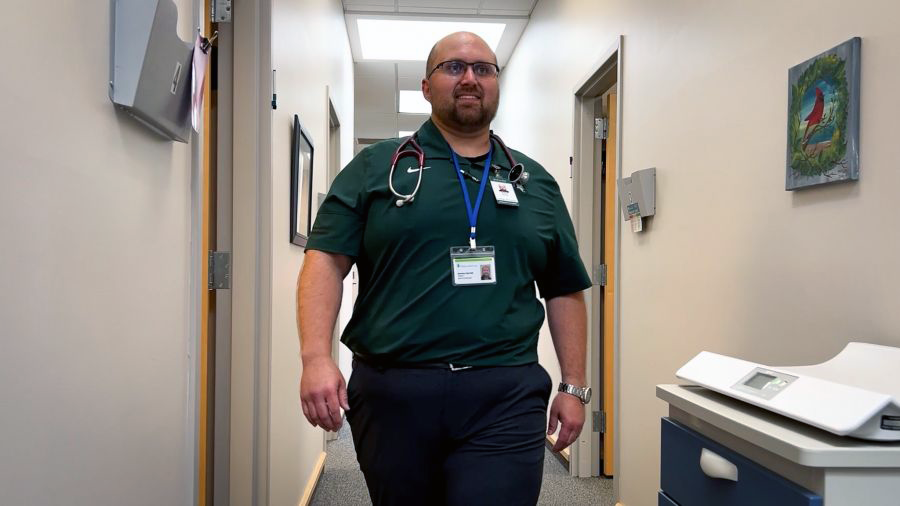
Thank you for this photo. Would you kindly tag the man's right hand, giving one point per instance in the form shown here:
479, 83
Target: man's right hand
323, 392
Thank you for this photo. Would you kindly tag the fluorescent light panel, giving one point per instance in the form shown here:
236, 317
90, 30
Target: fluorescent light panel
392, 39
412, 102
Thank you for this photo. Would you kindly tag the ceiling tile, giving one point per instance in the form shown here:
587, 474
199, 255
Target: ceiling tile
369, 8
438, 10
410, 121
379, 69
502, 12
445, 4
361, 3
376, 126
410, 82
512, 5
374, 94
411, 69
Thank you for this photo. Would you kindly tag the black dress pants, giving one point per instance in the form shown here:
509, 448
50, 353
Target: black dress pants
437, 437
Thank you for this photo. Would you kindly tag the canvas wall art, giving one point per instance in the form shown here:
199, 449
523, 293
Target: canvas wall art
823, 118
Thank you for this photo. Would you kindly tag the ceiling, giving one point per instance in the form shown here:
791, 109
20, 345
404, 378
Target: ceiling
378, 81
460, 7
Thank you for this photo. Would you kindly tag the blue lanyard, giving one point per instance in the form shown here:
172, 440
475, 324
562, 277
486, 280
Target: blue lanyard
472, 212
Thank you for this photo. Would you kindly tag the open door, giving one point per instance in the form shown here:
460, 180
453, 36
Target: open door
206, 429
595, 168
607, 298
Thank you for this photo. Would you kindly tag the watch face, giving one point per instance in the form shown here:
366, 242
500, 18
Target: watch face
586, 397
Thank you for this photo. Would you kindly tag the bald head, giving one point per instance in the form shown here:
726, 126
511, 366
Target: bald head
451, 42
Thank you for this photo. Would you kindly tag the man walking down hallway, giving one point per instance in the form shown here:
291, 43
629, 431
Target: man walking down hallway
447, 403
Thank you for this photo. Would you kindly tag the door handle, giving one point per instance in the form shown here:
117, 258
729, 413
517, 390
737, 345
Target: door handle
717, 467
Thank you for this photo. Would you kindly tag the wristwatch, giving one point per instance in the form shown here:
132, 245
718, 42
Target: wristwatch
583, 393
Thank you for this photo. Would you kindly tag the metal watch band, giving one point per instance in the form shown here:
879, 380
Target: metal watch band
583, 393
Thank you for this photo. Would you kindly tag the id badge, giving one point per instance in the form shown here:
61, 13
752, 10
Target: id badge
504, 192
473, 266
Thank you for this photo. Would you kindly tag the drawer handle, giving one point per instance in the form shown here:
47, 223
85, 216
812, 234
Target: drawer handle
716, 466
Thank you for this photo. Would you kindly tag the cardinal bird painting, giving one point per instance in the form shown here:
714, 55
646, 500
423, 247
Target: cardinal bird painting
823, 118
815, 116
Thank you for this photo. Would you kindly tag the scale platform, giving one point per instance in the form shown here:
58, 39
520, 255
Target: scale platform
856, 393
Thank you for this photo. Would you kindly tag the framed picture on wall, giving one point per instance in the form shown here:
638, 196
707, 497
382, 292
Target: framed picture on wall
301, 183
823, 118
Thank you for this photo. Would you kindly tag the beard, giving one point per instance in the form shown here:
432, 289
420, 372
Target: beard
466, 116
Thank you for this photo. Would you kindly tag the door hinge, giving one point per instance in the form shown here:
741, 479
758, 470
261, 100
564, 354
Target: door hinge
219, 270
601, 128
600, 275
220, 11
600, 422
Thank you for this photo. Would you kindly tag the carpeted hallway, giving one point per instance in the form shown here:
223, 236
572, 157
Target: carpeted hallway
342, 482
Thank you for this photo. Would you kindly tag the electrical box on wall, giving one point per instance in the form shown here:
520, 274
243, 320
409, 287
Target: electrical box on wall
150, 66
637, 195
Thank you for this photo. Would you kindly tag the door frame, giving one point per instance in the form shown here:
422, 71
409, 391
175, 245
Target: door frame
223, 184
607, 71
332, 167
251, 281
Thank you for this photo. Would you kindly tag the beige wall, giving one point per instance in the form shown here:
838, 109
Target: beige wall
95, 297
732, 263
310, 51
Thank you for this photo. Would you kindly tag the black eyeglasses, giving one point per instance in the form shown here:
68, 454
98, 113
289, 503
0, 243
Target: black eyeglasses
456, 68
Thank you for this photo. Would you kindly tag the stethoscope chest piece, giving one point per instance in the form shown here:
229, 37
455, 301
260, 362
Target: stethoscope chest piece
518, 174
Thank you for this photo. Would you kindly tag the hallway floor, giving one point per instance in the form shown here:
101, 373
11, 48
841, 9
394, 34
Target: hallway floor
342, 482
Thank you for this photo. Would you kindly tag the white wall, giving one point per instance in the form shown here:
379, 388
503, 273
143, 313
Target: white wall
310, 51
95, 219
731, 263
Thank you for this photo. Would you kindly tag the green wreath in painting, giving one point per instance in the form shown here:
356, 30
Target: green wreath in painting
818, 117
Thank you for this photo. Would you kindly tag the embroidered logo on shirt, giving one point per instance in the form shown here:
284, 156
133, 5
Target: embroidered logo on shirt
412, 170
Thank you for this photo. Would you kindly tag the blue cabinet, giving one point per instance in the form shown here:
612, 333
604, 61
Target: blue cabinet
696, 471
665, 500
720, 451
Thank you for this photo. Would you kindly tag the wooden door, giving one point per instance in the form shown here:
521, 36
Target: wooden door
206, 378
610, 213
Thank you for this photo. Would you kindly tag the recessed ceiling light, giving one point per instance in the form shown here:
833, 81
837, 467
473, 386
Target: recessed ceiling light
392, 39
412, 102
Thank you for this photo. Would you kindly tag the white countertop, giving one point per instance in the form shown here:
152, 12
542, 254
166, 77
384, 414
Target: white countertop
795, 441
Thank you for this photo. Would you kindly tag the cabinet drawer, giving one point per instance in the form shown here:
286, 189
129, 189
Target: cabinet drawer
665, 500
687, 483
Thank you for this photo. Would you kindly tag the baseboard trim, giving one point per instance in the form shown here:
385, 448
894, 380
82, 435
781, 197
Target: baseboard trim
313, 480
563, 456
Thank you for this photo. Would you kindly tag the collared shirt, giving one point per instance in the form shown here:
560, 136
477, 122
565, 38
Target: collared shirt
408, 310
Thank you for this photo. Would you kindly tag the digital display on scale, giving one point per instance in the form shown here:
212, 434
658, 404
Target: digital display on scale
764, 382
759, 380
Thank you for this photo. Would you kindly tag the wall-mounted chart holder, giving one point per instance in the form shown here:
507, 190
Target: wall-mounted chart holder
637, 196
150, 66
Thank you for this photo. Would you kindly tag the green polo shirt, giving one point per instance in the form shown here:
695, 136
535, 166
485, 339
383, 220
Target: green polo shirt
408, 310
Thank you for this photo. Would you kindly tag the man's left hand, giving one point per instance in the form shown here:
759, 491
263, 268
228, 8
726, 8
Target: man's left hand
568, 411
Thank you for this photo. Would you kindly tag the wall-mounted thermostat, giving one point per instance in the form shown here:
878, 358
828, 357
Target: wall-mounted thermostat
637, 196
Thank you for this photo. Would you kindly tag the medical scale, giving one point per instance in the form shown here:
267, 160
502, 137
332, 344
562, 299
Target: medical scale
856, 393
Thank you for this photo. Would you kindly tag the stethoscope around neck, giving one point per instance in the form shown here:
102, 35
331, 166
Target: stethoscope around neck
410, 147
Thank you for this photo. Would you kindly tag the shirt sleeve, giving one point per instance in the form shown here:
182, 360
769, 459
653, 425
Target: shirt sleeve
341, 219
565, 272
